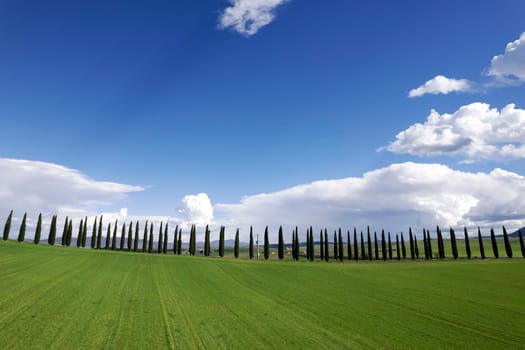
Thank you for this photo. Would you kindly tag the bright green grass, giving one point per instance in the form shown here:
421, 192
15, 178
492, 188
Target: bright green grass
54, 297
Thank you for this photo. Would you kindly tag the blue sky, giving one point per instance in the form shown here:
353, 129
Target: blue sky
170, 99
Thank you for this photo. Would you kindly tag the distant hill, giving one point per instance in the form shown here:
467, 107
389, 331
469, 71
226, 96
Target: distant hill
515, 234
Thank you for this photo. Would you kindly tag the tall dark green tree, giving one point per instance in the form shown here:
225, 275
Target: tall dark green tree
429, 245
221, 242
159, 241
114, 238
179, 242
99, 236
145, 238
93, 234
341, 254
411, 238
356, 246
236, 246
481, 248
129, 242
522, 244
250, 249
108, 236
122, 236
7, 226
326, 246
136, 240
467, 243
64, 232
312, 246
376, 247
369, 243
363, 254
150, 238
69, 233
453, 243
207, 247
175, 236
165, 241
441, 246
22, 230
52, 231
321, 245
397, 248
79, 236
336, 250
349, 245
280, 250
38, 230
425, 243
494, 243
266, 244
508, 248
84, 232
383, 245
403, 248
194, 240
389, 247
307, 244
416, 249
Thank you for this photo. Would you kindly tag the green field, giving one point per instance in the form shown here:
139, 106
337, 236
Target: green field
55, 297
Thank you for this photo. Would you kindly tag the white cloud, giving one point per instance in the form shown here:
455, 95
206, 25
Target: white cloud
49, 188
474, 131
248, 16
394, 198
510, 64
441, 85
197, 209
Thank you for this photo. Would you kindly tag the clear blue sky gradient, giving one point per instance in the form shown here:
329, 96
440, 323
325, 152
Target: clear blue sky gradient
152, 93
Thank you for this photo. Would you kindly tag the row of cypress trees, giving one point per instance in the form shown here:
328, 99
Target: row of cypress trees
130, 241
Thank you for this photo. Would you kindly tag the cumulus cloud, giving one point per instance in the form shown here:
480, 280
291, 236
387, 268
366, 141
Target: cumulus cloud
510, 64
197, 209
49, 188
394, 197
248, 16
441, 85
474, 131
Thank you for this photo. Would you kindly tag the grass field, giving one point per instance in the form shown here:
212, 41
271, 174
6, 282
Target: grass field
54, 297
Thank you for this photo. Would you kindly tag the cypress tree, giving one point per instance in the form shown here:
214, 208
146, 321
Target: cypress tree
411, 238
136, 241
522, 245
336, 250
356, 246
397, 248
108, 236
403, 248
99, 237
38, 230
429, 242
383, 245
221, 242
79, 236
52, 231
175, 236
7, 226
93, 233
349, 245
129, 243
508, 248
326, 247
22, 230
64, 232
308, 244
207, 248
84, 232
122, 236
114, 238
369, 243
266, 244
341, 248
321, 243
69, 233
145, 237
236, 247
376, 247
425, 244
454, 244
441, 246
416, 249
363, 254
389, 247
194, 240
250, 250
467, 243
312, 247
150, 238
281, 243
165, 242
494, 244
159, 241
481, 248
179, 243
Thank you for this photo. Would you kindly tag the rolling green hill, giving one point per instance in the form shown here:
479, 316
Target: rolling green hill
55, 297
